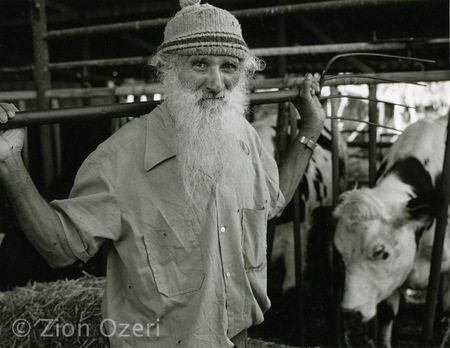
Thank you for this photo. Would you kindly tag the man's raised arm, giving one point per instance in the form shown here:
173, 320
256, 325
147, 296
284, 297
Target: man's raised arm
294, 163
37, 218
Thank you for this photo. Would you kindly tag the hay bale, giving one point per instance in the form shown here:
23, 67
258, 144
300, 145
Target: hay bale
63, 313
258, 343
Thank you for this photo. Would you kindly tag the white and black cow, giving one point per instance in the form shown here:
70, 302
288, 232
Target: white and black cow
315, 191
385, 234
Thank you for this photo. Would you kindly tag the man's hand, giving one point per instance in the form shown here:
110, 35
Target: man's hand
311, 111
11, 141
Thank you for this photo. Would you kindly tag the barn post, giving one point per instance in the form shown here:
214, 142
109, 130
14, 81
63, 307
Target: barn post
443, 192
43, 84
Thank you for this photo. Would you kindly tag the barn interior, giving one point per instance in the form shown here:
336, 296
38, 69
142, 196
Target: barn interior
75, 53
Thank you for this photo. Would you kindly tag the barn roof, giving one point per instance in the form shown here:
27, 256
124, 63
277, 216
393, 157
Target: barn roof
313, 31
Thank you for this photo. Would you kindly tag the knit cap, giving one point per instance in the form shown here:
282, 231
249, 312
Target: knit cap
203, 29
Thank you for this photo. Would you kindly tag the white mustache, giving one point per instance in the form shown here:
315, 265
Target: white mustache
212, 96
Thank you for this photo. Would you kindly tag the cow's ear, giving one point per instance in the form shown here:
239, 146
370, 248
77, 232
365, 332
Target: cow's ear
422, 208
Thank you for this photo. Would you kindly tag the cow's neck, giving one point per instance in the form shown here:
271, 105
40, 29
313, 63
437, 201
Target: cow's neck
393, 191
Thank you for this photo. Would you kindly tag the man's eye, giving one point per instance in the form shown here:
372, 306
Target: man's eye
199, 64
230, 66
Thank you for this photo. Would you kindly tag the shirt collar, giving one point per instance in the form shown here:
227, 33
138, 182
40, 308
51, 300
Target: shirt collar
159, 145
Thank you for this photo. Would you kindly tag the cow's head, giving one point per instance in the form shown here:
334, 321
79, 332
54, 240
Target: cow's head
376, 239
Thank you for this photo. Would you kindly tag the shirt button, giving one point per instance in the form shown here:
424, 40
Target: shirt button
223, 229
228, 274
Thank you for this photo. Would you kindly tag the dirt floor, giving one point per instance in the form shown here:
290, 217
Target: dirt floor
408, 325
316, 327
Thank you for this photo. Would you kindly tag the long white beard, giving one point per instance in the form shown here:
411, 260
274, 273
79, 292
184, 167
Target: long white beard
207, 133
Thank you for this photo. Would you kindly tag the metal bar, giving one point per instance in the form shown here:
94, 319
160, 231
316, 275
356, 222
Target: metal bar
436, 257
297, 237
247, 13
98, 63
335, 160
343, 96
333, 255
373, 118
359, 79
261, 52
327, 48
42, 117
402, 77
353, 54
381, 80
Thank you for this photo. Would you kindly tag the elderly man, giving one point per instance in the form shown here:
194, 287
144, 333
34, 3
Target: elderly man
181, 196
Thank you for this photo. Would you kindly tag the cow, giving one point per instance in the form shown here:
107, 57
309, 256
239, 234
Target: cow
385, 233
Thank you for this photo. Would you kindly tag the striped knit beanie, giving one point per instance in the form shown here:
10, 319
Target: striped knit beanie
203, 29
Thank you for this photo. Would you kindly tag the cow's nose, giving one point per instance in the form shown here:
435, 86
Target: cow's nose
352, 316
357, 333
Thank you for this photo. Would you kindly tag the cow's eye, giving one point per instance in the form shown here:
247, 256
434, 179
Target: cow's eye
379, 252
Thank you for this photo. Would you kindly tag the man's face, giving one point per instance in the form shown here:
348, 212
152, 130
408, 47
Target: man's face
213, 75
207, 98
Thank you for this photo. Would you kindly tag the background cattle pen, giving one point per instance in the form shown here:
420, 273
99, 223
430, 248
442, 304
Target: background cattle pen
72, 53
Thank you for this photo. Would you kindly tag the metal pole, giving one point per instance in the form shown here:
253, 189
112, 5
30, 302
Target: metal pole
373, 117
261, 52
32, 118
297, 239
443, 192
335, 267
247, 13
359, 79
405, 77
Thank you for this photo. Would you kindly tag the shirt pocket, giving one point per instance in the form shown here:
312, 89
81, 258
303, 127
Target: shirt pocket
254, 230
175, 258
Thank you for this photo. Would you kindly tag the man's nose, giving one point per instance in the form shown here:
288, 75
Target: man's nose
215, 83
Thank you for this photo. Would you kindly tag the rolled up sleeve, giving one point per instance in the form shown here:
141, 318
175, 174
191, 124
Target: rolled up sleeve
277, 200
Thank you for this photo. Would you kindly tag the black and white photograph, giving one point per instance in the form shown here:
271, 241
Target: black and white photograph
224, 173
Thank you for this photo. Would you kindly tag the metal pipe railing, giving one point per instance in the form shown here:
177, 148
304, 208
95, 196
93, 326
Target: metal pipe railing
260, 52
147, 89
52, 116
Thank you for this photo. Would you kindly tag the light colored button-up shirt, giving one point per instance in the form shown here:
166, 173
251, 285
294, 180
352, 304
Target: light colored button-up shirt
173, 278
